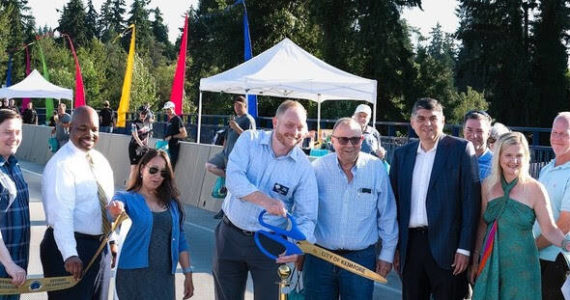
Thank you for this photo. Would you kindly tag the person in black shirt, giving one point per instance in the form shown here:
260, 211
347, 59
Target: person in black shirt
141, 131
106, 118
30, 116
175, 131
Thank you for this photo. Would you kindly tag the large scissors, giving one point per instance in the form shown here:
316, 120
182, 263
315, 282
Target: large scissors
301, 246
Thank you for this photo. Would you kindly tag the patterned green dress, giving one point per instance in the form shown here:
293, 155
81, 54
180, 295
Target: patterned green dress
512, 270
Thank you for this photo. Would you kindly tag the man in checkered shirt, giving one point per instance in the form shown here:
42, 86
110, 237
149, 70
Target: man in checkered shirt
14, 209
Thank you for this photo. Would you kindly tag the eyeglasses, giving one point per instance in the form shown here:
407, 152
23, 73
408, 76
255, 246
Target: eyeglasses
473, 112
344, 140
154, 170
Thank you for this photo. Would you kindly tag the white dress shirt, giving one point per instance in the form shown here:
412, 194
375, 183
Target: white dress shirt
69, 195
420, 183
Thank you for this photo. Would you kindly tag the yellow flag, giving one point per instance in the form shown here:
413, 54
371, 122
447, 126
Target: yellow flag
126, 95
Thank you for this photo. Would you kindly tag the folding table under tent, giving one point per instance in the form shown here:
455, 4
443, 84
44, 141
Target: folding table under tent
36, 86
286, 70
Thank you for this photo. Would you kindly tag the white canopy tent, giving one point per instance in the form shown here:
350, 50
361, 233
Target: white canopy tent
36, 86
286, 70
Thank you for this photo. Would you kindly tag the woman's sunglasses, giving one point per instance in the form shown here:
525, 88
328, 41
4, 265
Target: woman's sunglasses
154, 170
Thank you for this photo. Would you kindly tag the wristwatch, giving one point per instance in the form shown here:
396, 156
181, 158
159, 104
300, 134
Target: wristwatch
190, 269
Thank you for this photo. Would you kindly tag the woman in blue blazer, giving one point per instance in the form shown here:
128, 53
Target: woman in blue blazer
155, 243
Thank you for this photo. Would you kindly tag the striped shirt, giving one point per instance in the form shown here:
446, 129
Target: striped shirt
15, 222
354, 215
253, 167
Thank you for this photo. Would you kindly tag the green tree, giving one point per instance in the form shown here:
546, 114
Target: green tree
139, 16
91, 20
467, 101
72, 22
111, 21
550, 59
494, 57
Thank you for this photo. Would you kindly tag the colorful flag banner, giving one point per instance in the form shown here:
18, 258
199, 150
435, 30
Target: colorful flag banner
79, 88
247, 55
25, 101
9, 71
177, 93
126, 93
49, 101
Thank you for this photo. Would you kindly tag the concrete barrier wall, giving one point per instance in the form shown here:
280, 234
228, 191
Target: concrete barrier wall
194, 182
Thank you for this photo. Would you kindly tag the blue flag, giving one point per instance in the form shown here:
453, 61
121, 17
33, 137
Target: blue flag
247, 55
9, 72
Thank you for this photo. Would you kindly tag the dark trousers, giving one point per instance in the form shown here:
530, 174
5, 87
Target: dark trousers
553, 275
235, 254
173, 150
94, 285
324, 281
423, 277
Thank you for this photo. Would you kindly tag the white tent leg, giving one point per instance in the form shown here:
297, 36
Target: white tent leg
374, 115
319, 118
199, 118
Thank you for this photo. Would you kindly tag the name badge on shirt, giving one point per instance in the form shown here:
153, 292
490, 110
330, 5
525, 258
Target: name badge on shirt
280, 189
365, 190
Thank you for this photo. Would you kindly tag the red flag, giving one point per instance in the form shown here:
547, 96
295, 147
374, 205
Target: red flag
79, 89
177, 93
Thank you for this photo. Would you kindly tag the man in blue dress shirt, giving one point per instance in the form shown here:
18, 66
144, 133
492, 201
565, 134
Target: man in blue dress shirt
356, 209
266, 170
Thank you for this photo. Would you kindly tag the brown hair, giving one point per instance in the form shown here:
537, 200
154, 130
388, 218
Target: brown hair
7, 114
167, 192
286, 105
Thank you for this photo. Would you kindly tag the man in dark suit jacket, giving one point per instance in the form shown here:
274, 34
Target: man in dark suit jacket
438, 194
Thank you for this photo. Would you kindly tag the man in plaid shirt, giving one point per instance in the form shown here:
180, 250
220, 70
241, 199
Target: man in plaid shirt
14, 197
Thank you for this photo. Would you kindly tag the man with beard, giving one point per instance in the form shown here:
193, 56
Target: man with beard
556, 179
76, 185
356, 209
266, 170
14, 204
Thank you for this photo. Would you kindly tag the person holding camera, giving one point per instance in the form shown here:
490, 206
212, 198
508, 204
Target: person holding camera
140, 134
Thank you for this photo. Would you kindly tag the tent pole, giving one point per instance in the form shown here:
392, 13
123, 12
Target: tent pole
199, 118
319, 118
374, 115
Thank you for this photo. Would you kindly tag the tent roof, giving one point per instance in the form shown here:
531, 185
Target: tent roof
286, 70
35, 86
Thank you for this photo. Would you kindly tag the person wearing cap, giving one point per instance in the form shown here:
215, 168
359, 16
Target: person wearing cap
476, 129
106, 118
242, 122
371, 143
175, 131
62, 124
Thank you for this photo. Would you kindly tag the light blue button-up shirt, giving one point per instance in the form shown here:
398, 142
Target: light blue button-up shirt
354, 215
556, 180
253, 167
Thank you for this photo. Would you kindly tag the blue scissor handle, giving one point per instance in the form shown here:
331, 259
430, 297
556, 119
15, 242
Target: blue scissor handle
277, 235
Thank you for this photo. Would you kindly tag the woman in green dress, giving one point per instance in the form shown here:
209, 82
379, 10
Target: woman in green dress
508, 266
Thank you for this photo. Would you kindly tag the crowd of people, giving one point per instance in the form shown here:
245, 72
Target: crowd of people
449, 213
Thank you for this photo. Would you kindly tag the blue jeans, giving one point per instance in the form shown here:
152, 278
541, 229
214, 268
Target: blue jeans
108, 129
323, 280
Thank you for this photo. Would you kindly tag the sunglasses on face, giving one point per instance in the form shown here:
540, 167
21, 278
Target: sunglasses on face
344, 140
154, 170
